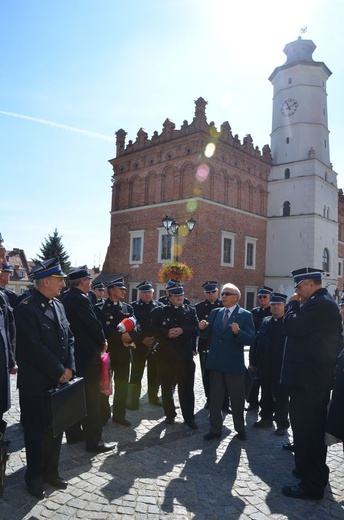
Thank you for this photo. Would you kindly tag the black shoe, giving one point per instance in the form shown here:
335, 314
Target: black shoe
263, 423
299, 492
157, 402
288, 447
227, 411
241, 436
192, 425
210, 436
101, 447
57, 482
36, 491
170, 420
122, 422
252, 408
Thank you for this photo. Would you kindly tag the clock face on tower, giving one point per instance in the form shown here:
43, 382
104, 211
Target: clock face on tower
289, 107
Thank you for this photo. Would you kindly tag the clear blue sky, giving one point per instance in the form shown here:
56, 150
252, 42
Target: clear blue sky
100, 66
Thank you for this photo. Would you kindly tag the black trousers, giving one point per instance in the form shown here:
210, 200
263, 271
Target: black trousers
203, 354
274, 400
308, 410
42, 449
91, 424
120, 364
234, 385
140, 356
182, 373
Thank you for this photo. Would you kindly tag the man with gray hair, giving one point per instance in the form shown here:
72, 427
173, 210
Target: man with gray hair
229, 329
90, 342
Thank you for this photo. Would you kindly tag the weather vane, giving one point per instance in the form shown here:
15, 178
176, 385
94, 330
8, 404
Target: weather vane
303, 30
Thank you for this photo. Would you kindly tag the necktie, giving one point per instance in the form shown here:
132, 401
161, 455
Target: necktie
226, 315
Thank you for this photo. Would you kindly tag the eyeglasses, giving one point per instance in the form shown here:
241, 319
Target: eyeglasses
225, 293
262, 296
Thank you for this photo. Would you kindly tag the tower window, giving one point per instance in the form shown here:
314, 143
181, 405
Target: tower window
287, 140
287, 173
286, 208
326, 260
290, 80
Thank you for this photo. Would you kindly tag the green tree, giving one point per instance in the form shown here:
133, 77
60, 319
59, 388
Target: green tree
51, 247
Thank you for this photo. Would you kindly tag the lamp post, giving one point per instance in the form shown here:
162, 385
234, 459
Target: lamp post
173, 229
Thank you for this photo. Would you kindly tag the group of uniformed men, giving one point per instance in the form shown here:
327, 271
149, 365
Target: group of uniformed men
58, 338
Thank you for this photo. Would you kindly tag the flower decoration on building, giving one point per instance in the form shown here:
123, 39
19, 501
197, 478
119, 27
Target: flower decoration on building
176, 270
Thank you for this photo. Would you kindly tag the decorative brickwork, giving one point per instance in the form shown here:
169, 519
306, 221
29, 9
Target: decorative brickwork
171, 173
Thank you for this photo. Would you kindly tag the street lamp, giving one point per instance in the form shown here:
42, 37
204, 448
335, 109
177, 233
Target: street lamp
173, 229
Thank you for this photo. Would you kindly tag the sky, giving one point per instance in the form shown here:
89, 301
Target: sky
73, 72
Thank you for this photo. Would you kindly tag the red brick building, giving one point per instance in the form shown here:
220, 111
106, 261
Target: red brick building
200, 172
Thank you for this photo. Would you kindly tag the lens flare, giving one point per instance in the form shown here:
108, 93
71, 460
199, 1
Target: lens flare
191, 205
210, 150
202, 172
177, 250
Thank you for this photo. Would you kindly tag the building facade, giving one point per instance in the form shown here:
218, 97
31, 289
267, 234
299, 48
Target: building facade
259, 214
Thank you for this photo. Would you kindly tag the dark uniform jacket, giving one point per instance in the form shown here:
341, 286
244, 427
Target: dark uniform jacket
44, 347
7, 355
267, 352
142, 312
259, 313
11, 295
314, 340
335, 418
203, 310
168, 317
111, 314
87, 329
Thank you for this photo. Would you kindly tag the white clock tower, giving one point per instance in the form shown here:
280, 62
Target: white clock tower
302, 227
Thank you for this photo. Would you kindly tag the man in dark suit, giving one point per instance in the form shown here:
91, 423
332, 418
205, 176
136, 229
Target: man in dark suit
90, 342
259, 313
314, 337
229, 330
266, 358
7, 357
111, 313
45, 349
176, 326
142, 309
165, 300
203, 310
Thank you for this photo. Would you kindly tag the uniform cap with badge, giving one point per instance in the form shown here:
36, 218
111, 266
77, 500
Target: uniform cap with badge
278, 298
264, 290
98, 286
306, 273
175, 289
117, 283
79, 272
46, 268
145, 286
210, 286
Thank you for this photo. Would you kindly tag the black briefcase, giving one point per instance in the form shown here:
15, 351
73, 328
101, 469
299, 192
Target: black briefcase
66, 405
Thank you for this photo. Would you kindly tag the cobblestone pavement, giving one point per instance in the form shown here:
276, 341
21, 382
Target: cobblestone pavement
168, 471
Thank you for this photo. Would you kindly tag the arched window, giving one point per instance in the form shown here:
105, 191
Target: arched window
287, 173
286, 208
326, 260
